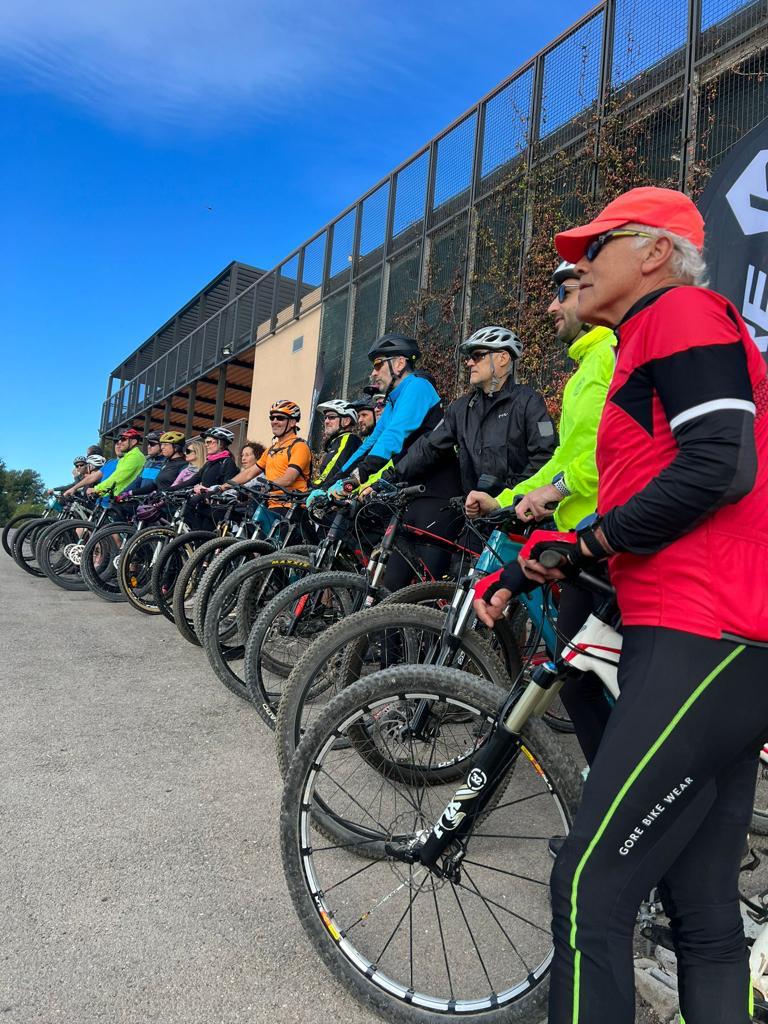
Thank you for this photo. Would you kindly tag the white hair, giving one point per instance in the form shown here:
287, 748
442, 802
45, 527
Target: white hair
687, 263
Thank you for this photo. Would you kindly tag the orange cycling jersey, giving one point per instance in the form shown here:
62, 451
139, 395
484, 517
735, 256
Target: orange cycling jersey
290, 452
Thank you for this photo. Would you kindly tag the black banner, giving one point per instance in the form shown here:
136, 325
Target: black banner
735, 210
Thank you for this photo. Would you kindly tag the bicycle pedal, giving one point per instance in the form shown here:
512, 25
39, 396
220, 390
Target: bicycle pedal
659, 935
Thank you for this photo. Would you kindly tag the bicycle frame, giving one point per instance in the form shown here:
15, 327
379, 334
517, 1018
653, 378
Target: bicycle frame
505, 743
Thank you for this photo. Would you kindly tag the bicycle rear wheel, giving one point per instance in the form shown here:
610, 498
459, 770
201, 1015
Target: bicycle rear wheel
10, 528
24, 545
61, 550
169, 562
100, 558
134, 570
415, 947
223, 641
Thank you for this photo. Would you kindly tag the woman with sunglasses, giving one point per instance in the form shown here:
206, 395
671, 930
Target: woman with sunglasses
194, 460
218, 467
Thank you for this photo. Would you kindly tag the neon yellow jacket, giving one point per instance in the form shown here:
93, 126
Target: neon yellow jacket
583, 400
128, 467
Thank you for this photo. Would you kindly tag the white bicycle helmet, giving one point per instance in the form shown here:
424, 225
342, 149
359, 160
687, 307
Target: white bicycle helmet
340, 407
220, 434
565, 272
494, 339
95, 461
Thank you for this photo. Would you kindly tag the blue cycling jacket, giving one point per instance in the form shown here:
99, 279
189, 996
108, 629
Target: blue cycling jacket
406, 413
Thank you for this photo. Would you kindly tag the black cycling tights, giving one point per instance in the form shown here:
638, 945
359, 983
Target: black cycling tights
668, 801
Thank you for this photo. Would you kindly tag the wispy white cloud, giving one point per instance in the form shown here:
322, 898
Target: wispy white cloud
186, 61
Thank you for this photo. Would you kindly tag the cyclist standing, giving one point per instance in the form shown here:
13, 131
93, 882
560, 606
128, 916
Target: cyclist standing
568, 480
412, 408
501, 429
288, 461
339, 438
218, 467
682, 455
129, 465
366, 415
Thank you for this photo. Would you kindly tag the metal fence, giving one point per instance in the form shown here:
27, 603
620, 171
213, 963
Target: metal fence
450, 229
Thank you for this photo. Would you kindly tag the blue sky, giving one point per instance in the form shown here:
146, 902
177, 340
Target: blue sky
124, 122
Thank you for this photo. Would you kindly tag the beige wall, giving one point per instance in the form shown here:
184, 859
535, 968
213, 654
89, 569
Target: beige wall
279, 372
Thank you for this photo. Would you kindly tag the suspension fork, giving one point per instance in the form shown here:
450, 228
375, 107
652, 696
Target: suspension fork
459, 614
495, 758
378, 565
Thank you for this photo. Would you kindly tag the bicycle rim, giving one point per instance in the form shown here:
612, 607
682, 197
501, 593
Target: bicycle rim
472, 946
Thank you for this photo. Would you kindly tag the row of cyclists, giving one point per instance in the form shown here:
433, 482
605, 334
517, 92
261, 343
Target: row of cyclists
663, 430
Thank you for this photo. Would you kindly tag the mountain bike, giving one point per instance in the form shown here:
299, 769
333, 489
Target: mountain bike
240, 597
213, 561
452, 918
308, 608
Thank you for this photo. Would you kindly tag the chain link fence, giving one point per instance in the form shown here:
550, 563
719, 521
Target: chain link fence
636, 92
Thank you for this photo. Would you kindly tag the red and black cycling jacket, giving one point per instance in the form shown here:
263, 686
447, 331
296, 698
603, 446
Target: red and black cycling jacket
682, 455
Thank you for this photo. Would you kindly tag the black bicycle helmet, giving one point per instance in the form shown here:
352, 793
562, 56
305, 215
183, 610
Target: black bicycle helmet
389, 345
366, 402
153, 437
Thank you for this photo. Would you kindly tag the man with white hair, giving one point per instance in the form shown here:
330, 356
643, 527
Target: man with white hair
682, 456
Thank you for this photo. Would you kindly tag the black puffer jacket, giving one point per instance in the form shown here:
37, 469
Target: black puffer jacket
218, 470
508, 435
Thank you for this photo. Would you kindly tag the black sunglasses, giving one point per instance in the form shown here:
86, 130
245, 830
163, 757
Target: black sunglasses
563, 291
272, 416
189, 451
596, 246
476, 355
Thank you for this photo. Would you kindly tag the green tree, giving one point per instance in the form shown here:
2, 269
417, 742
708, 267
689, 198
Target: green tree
21, 490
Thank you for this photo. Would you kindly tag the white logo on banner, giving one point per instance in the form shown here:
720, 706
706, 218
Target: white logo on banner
748, 198
755, 306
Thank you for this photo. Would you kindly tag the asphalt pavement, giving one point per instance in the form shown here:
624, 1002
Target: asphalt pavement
140, 873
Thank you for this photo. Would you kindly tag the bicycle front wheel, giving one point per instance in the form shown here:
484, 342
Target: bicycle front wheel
415, 947
100, 558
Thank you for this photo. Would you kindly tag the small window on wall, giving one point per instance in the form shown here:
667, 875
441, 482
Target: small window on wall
298, 343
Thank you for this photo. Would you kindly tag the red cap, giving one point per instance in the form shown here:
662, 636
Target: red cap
656, 207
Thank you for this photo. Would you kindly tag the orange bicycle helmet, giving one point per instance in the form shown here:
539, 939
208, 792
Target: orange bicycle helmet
287, 408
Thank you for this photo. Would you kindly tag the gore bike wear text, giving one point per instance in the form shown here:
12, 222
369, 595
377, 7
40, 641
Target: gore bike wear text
668, 800
507, 435
583, 400
129, 467
682, 455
